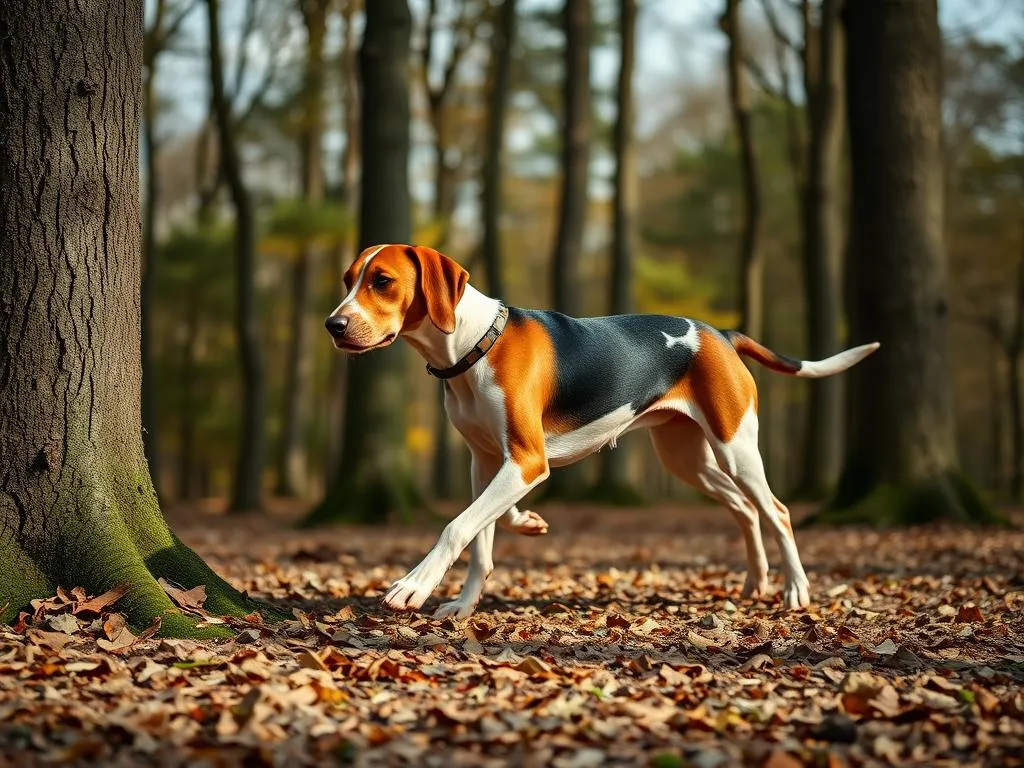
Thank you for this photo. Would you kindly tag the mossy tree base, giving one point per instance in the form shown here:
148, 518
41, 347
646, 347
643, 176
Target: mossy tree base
946, 497
108, 566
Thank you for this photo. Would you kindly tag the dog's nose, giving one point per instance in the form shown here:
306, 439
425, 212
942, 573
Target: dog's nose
336, 325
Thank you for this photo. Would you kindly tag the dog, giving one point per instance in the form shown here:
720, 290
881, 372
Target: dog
530, 390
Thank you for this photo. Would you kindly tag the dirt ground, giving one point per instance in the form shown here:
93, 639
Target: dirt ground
617, 639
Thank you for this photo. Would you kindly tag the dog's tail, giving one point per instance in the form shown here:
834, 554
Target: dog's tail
808, 369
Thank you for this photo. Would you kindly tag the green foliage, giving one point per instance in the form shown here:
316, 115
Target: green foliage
301, 222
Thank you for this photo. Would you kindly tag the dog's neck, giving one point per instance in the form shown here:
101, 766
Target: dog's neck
473, 316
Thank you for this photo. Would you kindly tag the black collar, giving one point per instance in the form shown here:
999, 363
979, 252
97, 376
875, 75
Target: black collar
486, 342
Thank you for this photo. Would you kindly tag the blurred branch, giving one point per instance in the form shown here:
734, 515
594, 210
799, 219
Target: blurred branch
248, 28
783, 45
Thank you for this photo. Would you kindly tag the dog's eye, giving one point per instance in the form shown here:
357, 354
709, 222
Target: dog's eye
382, 281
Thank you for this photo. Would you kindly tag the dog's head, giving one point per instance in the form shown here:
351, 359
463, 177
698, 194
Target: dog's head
392, 289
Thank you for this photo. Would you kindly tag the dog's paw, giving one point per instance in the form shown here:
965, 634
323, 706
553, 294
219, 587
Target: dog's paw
527, 523
755, 586
407, 594
796, 595
460, 608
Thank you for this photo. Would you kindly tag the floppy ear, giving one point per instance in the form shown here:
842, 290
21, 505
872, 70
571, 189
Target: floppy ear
442, 283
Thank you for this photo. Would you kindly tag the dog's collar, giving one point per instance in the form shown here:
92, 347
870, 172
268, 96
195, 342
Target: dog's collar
467, 361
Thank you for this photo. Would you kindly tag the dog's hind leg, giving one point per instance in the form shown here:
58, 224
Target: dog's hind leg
684, 451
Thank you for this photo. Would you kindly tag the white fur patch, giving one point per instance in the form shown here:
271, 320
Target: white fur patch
351, 298
689, 339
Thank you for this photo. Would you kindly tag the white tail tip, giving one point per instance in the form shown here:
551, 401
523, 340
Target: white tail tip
816, 369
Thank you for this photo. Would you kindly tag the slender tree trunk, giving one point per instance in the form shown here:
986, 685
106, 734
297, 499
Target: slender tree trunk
822, 249
292, 466
501, 65
77, 505
901, 464
575, 158
350, 199
1013, 393
247, 493
372, 481
996, 415
187, 389
570, 482
613, 483
751, 258
1014, 352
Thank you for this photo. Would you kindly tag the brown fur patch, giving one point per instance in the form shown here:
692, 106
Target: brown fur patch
719, 385
523, 360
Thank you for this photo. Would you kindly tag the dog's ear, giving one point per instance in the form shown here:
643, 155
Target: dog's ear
442, 283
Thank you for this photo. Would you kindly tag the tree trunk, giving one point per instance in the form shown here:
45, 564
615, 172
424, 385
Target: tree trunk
575, 159
901, 464
247, 494
1014, 352
77, 504
751, 258
350, 199
501, 65
373, 481
187, 389
613, 483
292, 466
570, 482
822, 249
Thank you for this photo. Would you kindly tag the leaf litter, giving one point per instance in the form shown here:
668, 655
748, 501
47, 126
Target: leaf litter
619, 639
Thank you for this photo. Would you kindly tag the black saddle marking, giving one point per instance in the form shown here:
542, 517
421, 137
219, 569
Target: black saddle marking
603, 363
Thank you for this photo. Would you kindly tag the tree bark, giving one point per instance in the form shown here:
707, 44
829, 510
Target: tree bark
372, 481
1014, 352
572, 209
292, 465
751, 259
901, 465
501, 65
569, 482
613, 484
77, 504
247, 492
350, 199
822, 246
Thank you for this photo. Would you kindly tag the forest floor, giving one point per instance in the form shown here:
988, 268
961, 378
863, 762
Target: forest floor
618, 639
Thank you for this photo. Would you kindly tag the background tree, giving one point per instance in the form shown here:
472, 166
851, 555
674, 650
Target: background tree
291, 461
251, 454
902, 463
372, 480
77, 505
167, 20
575, 132
497, 94
613, 482
815, 148
751, 260
569, 481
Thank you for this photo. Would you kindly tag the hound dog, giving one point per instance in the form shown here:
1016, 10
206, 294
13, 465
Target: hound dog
530, 390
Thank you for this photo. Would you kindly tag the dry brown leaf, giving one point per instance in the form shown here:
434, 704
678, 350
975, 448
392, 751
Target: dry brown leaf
98, 603
186, 599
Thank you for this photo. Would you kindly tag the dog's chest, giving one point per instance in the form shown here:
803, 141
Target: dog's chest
476, 408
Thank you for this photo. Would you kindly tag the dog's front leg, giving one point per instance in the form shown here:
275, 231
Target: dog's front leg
512, 481
481, 561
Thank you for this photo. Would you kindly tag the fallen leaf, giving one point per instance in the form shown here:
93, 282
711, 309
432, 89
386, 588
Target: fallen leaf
98, 603
188, 600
